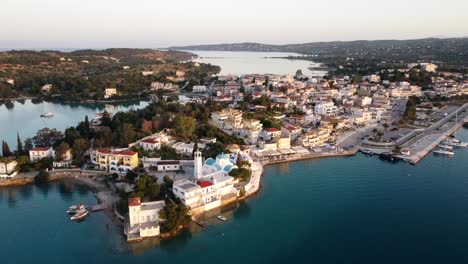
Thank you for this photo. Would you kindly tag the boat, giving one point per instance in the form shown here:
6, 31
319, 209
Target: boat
74, 208
460, 144
201, 223
389, 157
80, 214
366, 151
444, 152
222, 218
47, 114
446, 147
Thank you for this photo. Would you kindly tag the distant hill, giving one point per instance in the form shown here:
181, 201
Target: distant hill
449, 50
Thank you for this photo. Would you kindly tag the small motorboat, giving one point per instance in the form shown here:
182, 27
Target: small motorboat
446, 147
47, 114
367, 151
201, 223
444, 152
80, 214
222, 218
460, 144
74, 208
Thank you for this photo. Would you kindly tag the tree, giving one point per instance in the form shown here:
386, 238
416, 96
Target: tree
385, 125
184, 127
299, 73
61, 150
195, 148
5, 149
124, 135
28, 144
47, 137
175, 216
79, 149
19, 145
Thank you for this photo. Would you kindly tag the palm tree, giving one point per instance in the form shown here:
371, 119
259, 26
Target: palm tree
385, 125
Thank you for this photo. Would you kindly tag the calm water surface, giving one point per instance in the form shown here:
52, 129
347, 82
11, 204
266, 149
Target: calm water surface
242, 62
339, 210
25, 118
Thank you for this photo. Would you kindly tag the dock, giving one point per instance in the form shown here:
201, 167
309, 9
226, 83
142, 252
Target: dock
98, 207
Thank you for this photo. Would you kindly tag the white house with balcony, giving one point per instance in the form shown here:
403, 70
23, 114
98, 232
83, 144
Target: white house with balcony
36, 154
143, 219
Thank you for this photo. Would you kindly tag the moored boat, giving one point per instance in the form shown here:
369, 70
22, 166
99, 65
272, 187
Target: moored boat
201, 223
367, 151
74, 208
222, 218
47, 114
460, 144
80, 214
446, 147
444, 152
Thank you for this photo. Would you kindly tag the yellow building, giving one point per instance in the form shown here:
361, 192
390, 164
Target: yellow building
114, 161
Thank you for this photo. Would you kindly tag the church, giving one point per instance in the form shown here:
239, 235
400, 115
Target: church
210, 184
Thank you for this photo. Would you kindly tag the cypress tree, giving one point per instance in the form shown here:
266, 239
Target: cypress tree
5, 149
19, 145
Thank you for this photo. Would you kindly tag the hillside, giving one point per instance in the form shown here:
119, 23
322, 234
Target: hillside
452, 51
84, 74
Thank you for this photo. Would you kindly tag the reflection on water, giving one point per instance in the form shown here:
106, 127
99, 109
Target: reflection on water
66, 115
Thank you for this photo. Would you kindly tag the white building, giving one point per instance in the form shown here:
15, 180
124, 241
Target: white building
199, 88
143, 219
372, 78
47, 88
168, 165
326, 108
429, 67
109, 92
36, 154
210, 183
150, 144
7, 169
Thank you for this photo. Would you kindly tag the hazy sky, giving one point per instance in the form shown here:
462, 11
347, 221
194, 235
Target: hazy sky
162, 23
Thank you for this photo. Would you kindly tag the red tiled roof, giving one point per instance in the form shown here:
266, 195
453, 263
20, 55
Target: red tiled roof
135, 201
204, 184
272, 129
150, 140
126, 153
104, 151
39, 149
297, 116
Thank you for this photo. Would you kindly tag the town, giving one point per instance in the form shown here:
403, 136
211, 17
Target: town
197, 148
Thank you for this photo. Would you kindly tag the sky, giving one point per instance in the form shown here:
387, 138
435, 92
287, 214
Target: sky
47, 24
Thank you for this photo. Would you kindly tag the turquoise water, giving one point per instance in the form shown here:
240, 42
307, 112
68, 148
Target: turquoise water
339, 210
25, 118
244, 62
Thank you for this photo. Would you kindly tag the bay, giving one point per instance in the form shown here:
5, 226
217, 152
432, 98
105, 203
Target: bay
244, 62
339, 210
25, 118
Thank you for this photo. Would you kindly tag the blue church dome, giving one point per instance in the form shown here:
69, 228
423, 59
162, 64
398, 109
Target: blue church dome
210, 161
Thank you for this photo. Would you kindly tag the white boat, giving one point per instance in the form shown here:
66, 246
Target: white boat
366, 151
222, 218
47, 114
446, 147
444, 152
80, 214
74, 208
460, 144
